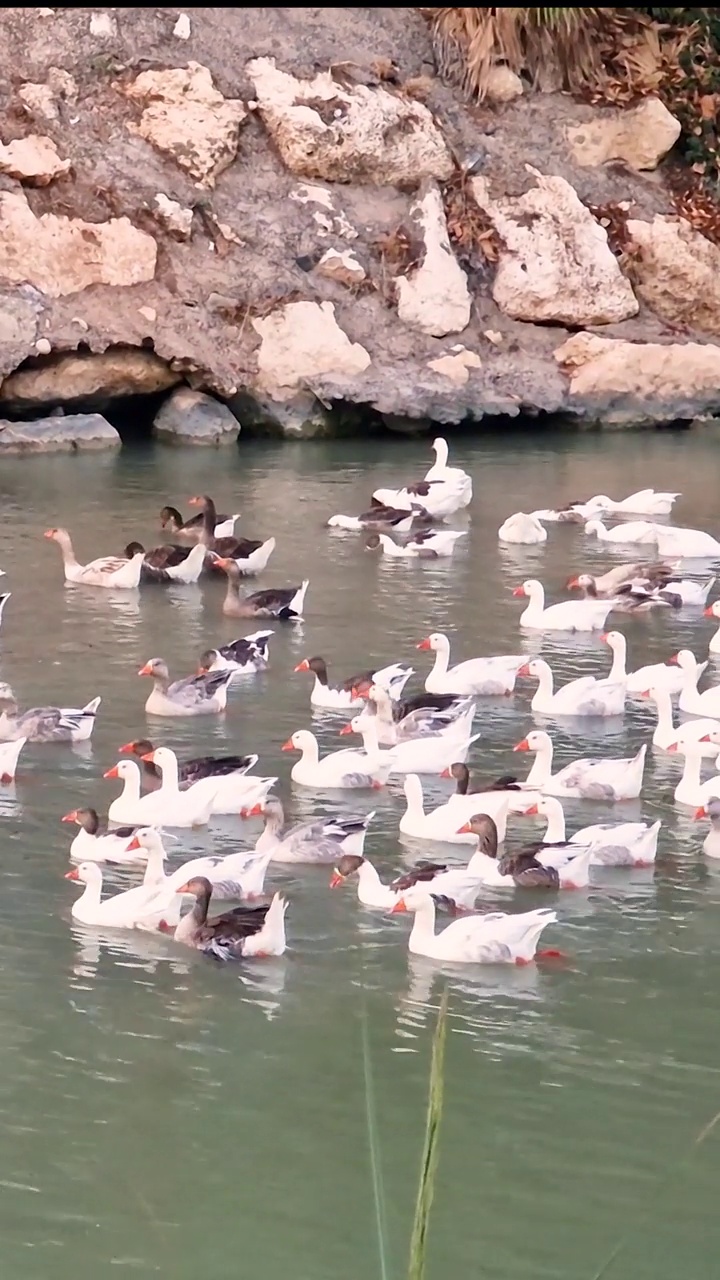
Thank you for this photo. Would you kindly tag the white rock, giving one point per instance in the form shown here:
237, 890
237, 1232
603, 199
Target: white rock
43, 347
322, 129
182, 27
493, 336
149, 313
556, 265
301, 341
502, 85
103, 24
640, 136
60, 255
309, 193
175, 217
33, 159
434, 297
341, 267
188, 118
677, 273
456, 366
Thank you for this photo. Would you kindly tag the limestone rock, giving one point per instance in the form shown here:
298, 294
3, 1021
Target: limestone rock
88, 377
502, 85
434, 297
103, 24
402, 425
190, 417
639, 383
555, 265
182, 27
640, 137
67, 434
325, 130
300, 417
41, 100
303, 340
456, 365
677, 272
189, 119
343, 267
33, 160
174, 217
60, 255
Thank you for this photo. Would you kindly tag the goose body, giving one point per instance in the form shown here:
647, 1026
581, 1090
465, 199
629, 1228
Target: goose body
9, 755
95, 843
642, 531
426, 754
437, 498
522, 529
169, 564
106, 571
45, 724
284, 603
201, 694
583, 697
690, 790
564, 866
123, 910
645, 502
589, 778
229, 791
449, 475
168, 806
611, 844
454, 721
380, 519
666, 732
322, 841
340, 770
245, 656
690, 544
236, 935
691, 701
495, 938
657, 675
443, 822
189, 771
481, 676
428, 544
711, 809
336, 697
569, 615
457, 885
714, 612
192, 529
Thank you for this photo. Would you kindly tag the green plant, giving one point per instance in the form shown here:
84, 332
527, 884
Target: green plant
431, 1151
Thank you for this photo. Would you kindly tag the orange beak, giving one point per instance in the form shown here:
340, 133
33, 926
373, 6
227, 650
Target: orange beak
700, 813
645, 693
532, 812
465, 830
303, 666
72, 875
572, 582
446, 774
111, 773
146, 670
336, 880
346, 729
705, 738
70, 817
424, 644
127, 750
134, 844
201, 671
49, 533
398, 907
288, 746
524, 670
673, 747
360, 693
518, 591
184, 888
673, 662
223, 561
194, 502
148, 758
522, 746
708, 613
256, 812
603, 637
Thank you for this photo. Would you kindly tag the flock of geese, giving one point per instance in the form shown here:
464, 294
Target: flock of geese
428, 733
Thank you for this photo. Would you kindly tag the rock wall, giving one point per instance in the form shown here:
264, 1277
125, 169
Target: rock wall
286, 211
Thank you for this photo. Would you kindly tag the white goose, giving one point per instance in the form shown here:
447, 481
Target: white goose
646, 502
168, 806
334, 697
611, 844
666, 732
691, 544
590, 778
106, 571
145, 905
569, 615
482, 676
692, 702
426, 754
421, 721
495, 938
341, 769
229, 792
714, 612
455, 475
522, 528
439, 498
9, 755
428, 544
711, 810
657, 675
583, 697
690, 790
95, 844
443, 822
633, 531
457, 884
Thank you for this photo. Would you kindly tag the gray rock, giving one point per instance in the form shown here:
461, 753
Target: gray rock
191, 417
71, 433
302, 417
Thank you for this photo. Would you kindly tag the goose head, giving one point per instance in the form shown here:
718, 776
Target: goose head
484, 827
711, 810
346, 866
86, 873
713, 610
155, 667
436, 642
302, 740
125, 770
531, 587
538, 740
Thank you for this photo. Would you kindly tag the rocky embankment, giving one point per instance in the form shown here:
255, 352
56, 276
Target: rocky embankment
281, 219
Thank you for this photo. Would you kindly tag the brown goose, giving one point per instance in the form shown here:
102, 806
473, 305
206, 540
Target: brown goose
465, 786
189, 771
235, 548
537, 866
191, 529
283, 603
246, 931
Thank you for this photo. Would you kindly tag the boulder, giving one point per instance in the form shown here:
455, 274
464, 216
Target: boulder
502, 85
88, 378
41, 100
456, 365
189, 119
555, 264
174, 217
640, 136
300, 417
639, 383
300, 341
33, 160
191, 417
323, 129
60, 255
343, 267
677, 272
62, 434
434, 296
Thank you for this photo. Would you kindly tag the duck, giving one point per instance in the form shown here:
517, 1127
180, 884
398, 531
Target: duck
231, 790
714, 612
666, 732
522, 528
646, 502
107, 571
45, 724
441, 471
169, 807
438, 499
690, 701
427, 754
443, 822
169, 564
487, 677
321, 841
592, 779
427, 544
631, 531
533, 867
379, 518
711, 809
657, 675
690, 790
340, 770
690, 544
611, 844
334, 697
250, 555
202, 694
189, 771
95, 843
238, 934
192, 529
9, 755
656, 573
420, 721
586, 696
495, 938
570, 615
284, 603
454, 886
245, 656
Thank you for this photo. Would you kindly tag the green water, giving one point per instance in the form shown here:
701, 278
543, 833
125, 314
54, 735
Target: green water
161, 1115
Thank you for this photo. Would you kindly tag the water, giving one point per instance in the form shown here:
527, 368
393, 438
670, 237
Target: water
170, 1117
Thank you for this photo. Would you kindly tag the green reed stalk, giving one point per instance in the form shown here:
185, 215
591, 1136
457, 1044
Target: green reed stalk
430, 1156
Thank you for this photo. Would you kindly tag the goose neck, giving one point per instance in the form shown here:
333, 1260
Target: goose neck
442, 659
618, 670
663, 705
169, 770
542, 765
424, 922
415, 801
546, 682
555, 830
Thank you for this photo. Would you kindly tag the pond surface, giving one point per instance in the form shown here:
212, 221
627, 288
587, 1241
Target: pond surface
167, 1116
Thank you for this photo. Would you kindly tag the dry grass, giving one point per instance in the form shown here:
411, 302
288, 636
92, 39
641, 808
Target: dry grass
471, 232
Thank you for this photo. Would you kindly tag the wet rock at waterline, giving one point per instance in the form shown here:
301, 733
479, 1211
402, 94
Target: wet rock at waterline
192, 418
61, 434
87, 378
